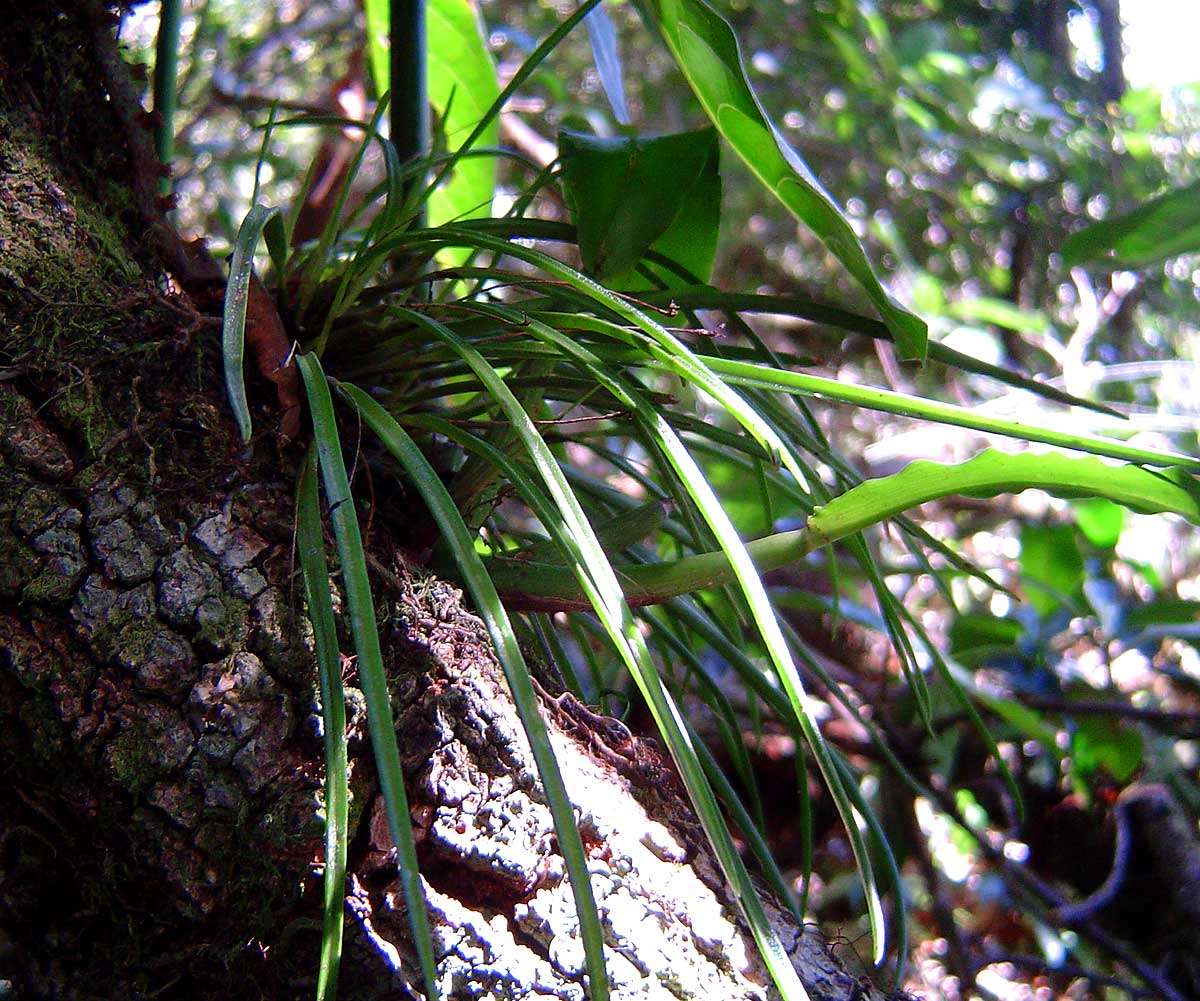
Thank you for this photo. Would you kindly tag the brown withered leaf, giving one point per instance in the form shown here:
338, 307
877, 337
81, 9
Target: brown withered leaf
272, 355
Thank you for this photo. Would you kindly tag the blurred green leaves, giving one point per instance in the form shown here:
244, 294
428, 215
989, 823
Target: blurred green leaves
462, 86
1051, 565
1162, 228
1100, 521
1099, 743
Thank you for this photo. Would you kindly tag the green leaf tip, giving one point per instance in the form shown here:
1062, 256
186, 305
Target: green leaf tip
706, 49
993, 472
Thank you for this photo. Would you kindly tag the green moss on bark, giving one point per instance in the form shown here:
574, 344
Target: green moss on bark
60, 249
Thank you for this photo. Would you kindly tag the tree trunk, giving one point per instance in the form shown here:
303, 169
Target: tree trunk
160, 833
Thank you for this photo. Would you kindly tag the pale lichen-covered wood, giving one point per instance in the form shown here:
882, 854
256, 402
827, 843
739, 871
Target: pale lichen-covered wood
504, 916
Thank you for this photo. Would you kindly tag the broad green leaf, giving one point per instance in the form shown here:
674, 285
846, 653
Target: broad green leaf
968, 632
1161, 228
706, 49
1026, 721
462, 87
487, 121
631, 193
1051, 564
1164, 612
1097, 743
378, 14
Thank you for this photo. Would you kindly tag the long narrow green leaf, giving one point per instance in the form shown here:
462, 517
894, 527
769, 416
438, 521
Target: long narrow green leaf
706, 49
310, 541
705, 297
751, 586
671, 354
459, 539
779, 380
233, 320
694, 295
986, 475
749, 374
656, 338
371, 673
318, 256
575, 535
751, 827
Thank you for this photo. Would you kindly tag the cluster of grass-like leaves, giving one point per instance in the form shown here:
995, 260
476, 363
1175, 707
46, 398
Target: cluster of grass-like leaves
485, 368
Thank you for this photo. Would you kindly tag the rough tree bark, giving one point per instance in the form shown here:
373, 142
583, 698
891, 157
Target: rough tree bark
159, 740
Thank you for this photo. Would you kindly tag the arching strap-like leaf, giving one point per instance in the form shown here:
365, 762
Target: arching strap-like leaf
310, 542
993, 472
462, 544
547, 587
706, 49
371, 674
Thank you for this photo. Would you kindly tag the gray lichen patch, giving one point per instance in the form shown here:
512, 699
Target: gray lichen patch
29, 443
281, 635
185, 584
504, 915
124, 555
242, 718
192, 597
233, 546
